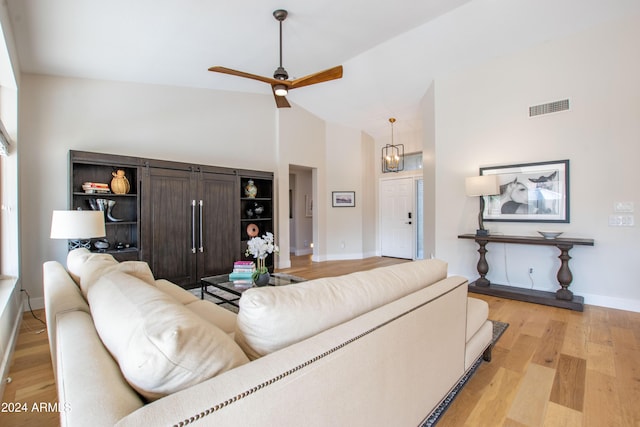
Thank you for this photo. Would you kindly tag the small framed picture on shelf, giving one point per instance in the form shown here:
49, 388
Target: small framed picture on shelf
343, 199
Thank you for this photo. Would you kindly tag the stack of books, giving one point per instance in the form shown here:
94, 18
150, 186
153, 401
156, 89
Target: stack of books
96, 188
242, 273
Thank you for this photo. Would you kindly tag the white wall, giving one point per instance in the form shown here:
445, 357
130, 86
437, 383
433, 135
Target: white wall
482, 119
301, 141
427, 107
189, 125
368, 201
344, 231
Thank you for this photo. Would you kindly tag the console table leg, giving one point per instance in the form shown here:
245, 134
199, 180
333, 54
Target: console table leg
483, 266
564, 274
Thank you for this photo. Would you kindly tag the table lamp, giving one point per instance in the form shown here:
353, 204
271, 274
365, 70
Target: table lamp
484, 185
79, 227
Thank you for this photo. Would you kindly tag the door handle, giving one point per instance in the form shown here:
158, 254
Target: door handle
201, 248
408, 222
193, 226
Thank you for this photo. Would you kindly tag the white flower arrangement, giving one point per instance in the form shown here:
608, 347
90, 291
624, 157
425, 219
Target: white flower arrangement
260, 248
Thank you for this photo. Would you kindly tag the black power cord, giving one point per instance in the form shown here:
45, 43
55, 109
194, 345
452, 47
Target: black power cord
31, 309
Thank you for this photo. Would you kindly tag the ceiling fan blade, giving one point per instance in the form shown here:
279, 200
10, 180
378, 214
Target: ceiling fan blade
320, 77
229, 71
281, 101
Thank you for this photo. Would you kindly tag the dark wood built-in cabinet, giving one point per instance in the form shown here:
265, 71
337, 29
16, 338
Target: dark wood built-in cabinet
190, 220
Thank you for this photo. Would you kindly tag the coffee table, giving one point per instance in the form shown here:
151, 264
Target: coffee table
223, 283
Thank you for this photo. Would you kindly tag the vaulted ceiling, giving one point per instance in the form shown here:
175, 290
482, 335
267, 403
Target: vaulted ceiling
391, 51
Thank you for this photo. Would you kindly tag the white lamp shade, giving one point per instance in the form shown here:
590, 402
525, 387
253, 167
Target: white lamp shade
77, 224
484, 185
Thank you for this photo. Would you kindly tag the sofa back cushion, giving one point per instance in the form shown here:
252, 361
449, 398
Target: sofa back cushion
160, 346
87, 267
271, 318
75, 260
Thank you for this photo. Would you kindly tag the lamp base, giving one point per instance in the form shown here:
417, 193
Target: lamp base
77, 244
482, 232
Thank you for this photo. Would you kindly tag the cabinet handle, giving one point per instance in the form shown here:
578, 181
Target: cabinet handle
193, 226
201, 234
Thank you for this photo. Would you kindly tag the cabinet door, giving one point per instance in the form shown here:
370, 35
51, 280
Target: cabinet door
168, 215
218, 209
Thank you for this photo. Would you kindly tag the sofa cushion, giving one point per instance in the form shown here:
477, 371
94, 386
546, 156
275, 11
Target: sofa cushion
477, 314
75, 260
98, 265
214, 314
271, 318
181, 295
161, 346
86, 267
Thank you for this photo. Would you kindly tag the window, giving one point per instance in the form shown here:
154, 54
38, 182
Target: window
413, 161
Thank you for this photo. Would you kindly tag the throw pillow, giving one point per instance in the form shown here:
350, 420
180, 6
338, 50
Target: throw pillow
160, 346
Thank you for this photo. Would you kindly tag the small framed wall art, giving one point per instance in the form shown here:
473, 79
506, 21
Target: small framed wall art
529, 192
343, 199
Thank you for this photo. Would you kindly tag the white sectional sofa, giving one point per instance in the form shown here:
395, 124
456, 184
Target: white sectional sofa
375, 348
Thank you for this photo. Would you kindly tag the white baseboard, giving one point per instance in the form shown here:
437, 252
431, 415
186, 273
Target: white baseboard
36, 303
612, 302
284, 263
304, 251
344, 257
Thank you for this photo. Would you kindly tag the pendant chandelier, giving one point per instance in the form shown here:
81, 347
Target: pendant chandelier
392, 155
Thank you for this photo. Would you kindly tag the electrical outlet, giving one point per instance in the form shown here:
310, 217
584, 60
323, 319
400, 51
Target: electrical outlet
530, 270
621, 221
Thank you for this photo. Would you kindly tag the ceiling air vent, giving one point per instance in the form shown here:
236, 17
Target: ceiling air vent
552, 107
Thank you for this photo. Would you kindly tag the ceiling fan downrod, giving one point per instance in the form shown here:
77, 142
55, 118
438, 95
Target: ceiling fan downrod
280, 73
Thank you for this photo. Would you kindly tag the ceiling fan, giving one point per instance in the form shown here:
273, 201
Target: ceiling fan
280, 85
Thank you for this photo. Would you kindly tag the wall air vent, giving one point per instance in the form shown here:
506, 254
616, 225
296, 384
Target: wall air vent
552, 107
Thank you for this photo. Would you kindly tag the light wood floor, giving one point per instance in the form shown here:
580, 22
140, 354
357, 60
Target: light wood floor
552, 367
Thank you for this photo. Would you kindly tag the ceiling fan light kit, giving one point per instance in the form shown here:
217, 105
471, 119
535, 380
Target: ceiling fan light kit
280, 83
280, 90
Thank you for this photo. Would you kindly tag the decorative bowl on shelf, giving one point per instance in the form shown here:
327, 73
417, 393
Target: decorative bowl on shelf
550, 234
102, 244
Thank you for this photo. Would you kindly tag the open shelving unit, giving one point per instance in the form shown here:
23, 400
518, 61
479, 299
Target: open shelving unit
122, 233
256, 210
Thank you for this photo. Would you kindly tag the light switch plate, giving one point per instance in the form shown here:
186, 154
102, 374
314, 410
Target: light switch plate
623, 207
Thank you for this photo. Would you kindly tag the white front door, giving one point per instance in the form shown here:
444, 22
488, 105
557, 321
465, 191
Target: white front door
397, 200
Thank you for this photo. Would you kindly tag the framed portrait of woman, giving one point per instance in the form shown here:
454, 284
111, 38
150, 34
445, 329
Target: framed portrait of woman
529, 192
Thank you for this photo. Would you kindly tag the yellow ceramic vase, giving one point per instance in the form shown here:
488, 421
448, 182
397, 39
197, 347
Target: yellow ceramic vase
120, 183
